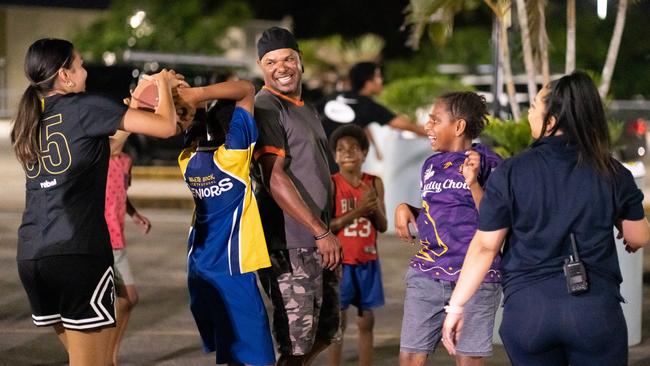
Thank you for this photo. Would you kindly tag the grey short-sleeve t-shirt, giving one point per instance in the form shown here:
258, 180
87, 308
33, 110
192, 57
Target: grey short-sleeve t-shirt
291, 129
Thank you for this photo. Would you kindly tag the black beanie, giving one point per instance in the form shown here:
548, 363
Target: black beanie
275, 38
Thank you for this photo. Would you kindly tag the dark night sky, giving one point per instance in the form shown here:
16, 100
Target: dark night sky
352, 18
84, 4
311, 18
314, 18
346, 17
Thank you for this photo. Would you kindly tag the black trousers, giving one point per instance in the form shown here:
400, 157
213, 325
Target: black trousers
544, 325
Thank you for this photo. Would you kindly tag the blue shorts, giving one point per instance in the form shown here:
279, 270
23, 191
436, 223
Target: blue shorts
231, 318
424, 314
361, 286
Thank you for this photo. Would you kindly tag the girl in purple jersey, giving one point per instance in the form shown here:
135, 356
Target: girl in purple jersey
451, 187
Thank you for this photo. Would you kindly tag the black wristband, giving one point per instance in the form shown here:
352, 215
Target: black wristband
322, 236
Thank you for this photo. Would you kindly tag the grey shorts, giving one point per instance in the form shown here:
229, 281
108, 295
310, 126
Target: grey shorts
305, 299
424, 314
123, 274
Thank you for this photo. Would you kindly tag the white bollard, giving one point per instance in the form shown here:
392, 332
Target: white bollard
632, 271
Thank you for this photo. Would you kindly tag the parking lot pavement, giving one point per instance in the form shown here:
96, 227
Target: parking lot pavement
162, 331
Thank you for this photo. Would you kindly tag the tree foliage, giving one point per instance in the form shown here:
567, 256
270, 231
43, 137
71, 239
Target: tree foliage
507, 138
467, 47
435, 17
407, 95
188, 26
339, 54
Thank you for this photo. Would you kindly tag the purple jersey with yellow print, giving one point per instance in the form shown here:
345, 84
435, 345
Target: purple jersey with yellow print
449, 218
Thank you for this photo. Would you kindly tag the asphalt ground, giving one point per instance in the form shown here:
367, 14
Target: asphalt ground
161, 330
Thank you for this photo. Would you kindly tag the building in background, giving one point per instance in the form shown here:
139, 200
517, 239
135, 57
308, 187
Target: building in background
21, 23
24, 21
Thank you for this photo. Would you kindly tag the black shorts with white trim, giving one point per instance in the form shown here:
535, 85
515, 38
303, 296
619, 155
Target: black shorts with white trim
76, 290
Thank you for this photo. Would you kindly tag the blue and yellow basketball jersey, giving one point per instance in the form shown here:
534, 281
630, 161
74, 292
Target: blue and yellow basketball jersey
226, 236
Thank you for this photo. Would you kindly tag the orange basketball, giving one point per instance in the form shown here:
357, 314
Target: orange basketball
145, 95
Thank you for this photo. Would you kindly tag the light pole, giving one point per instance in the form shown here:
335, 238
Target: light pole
602, 8
497, 76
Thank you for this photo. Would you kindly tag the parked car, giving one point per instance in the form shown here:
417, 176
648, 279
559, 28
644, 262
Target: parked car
632, 145
116, 82
633, 142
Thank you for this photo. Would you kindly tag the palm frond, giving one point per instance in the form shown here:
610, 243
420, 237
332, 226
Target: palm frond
335, 53
433, 17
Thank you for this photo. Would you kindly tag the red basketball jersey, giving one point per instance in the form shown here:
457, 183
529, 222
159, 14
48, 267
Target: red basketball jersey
359, 238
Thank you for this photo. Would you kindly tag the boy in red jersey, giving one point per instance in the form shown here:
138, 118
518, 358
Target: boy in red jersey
359, 213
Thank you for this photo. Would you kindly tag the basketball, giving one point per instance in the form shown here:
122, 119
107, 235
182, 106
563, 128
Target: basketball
145, 95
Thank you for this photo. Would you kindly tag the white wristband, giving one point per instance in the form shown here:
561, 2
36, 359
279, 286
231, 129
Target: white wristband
453, 309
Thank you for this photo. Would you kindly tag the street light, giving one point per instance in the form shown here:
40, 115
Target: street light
137, 19
602, 8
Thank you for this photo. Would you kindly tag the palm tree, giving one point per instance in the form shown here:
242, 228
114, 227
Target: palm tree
570, 63
436, 16
330, 57
612, 52
532, 21
501, 8
542, 41
529, 63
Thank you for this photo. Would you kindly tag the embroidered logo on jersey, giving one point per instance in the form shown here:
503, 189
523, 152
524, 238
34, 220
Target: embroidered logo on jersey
48, 183
198, 181
437, 187
447, 165
211, 189
429, 172
348, 204
360, 227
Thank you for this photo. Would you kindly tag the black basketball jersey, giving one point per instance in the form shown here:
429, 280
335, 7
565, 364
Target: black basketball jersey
65, 188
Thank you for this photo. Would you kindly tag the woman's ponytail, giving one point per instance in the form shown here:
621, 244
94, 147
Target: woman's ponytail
43, 61
24, 134
576, 105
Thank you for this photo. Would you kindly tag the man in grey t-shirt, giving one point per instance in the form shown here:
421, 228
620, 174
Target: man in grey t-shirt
294, 196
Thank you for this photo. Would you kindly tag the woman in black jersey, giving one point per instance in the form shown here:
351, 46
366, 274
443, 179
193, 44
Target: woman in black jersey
60, 136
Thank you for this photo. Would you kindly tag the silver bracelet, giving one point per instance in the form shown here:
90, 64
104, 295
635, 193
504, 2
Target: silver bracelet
322, 236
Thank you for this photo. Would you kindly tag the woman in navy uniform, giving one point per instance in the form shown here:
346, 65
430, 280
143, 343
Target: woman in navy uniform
565, 188
60, 137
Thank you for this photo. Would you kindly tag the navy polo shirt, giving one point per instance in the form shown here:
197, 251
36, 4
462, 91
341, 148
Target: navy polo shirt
543, 195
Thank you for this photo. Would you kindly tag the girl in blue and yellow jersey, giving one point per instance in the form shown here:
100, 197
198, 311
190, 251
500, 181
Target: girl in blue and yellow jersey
226, 242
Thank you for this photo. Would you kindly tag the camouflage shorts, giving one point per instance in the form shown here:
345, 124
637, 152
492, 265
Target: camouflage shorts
305, 299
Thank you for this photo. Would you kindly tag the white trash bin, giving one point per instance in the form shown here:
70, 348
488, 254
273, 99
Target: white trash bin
632, 271
400, 168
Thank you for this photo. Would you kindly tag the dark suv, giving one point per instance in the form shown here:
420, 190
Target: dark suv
116, 81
